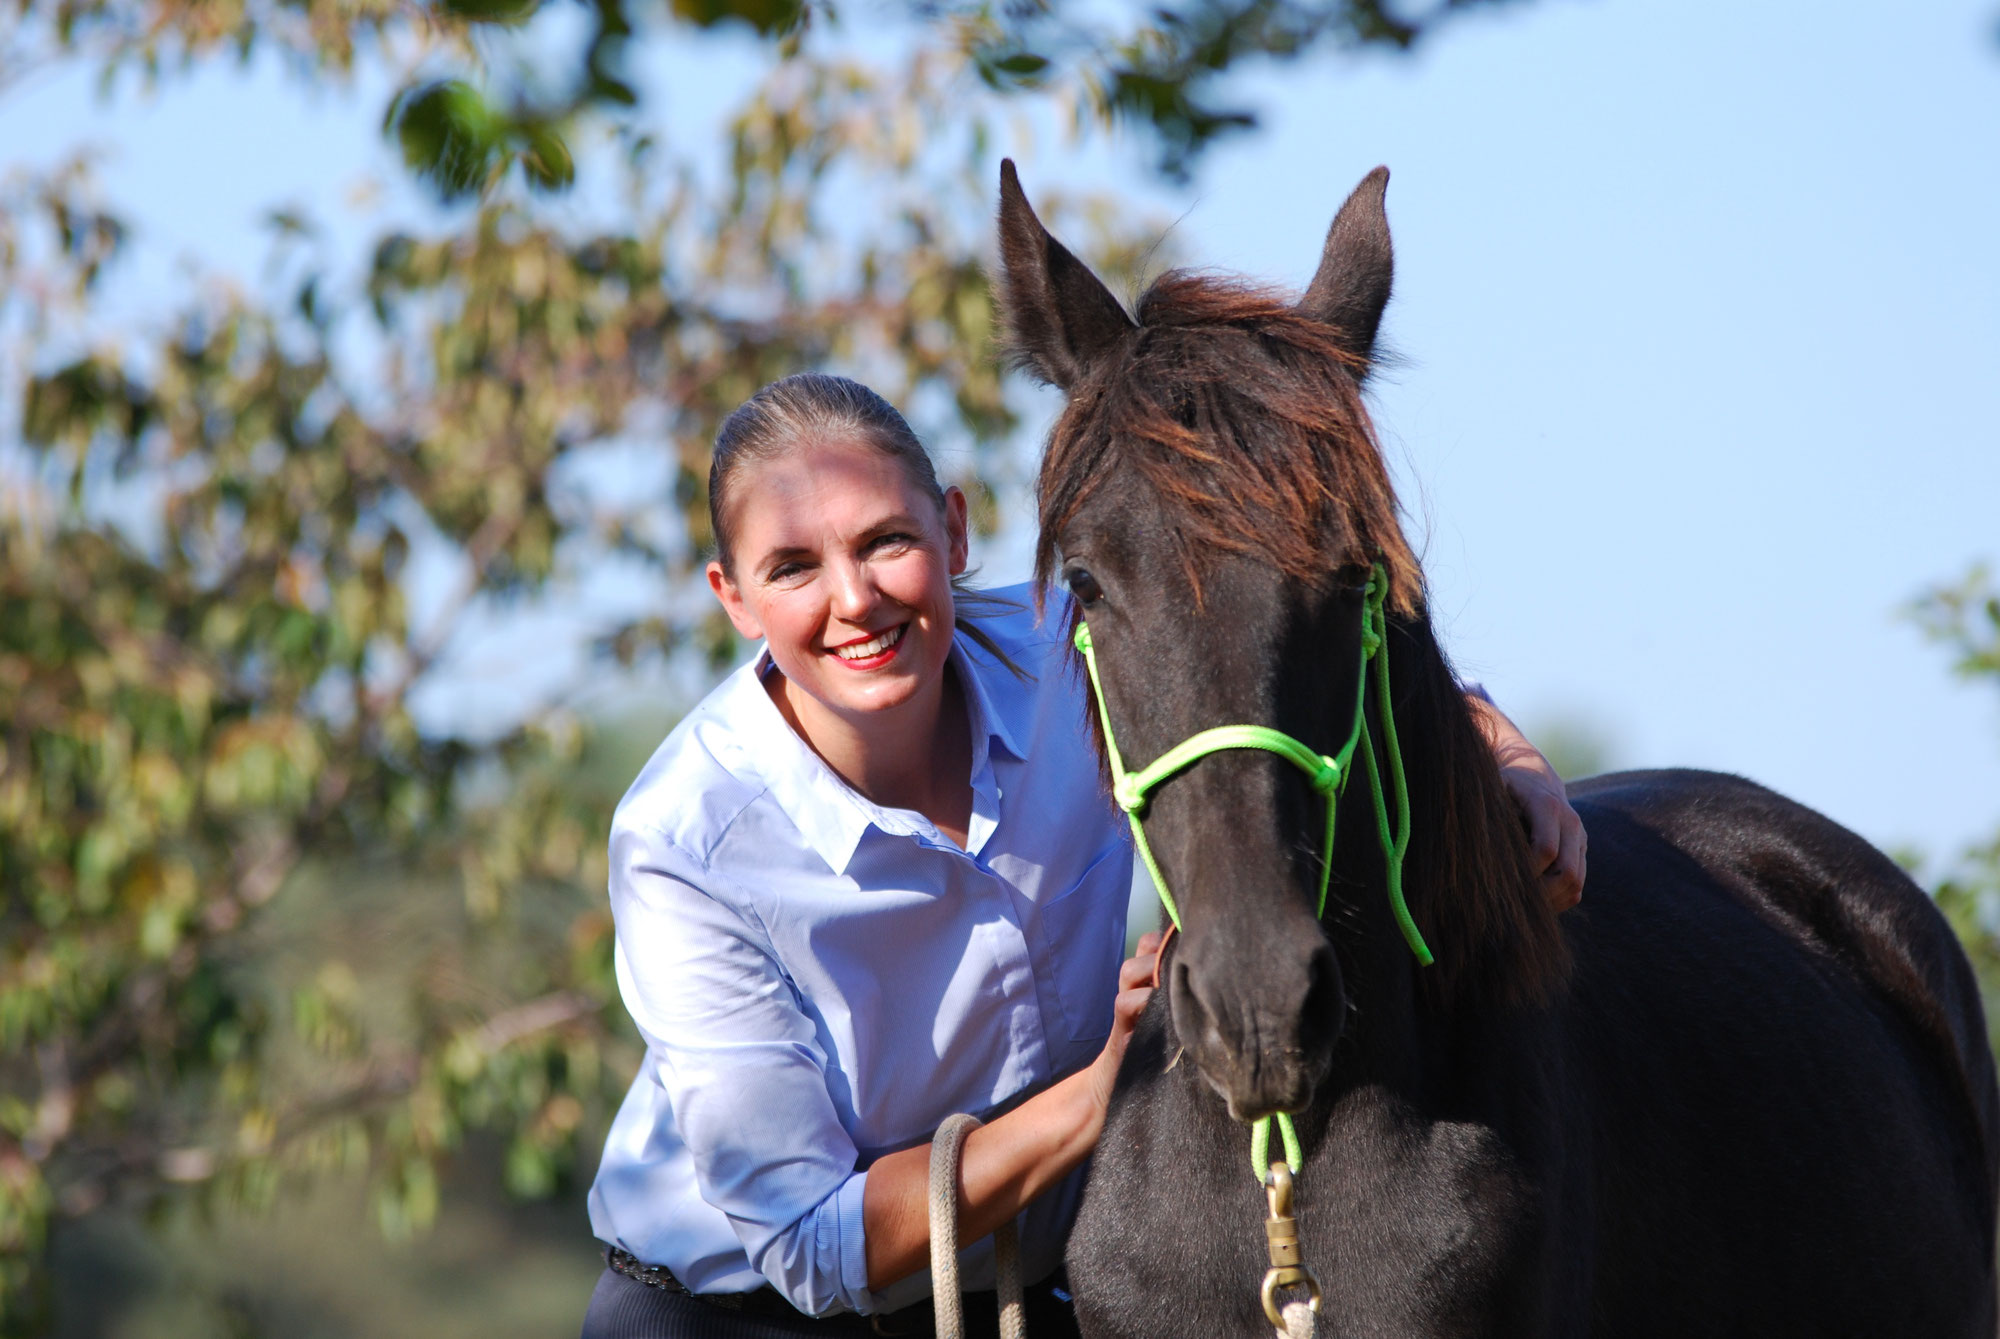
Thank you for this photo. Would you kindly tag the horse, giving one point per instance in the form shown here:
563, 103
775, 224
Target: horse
1743, 1089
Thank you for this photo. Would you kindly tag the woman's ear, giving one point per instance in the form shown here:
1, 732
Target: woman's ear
959, 547
731, 598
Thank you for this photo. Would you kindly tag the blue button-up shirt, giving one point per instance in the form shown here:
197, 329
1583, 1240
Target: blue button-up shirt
821, 980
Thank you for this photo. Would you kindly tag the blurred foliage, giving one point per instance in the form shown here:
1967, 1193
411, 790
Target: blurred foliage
1965, 617
1575, 745
259, 924
1160, 68
491, 1267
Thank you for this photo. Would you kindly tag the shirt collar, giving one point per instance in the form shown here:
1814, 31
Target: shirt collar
830, 814
996, 698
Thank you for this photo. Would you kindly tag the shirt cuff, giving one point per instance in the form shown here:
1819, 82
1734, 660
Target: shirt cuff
853, 1243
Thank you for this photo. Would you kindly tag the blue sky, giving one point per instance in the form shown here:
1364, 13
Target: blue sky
1699, 306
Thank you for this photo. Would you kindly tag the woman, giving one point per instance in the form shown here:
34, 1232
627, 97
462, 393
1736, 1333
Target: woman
871, 880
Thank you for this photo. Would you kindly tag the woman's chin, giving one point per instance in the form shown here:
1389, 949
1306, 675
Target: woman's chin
871, 691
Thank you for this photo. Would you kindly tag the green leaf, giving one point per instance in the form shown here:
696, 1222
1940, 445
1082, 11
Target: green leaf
449, 136
771, 18
492, 11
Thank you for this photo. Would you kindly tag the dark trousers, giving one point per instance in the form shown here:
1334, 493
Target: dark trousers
623, 1308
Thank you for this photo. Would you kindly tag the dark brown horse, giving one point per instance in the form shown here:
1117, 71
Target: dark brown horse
1743, 1090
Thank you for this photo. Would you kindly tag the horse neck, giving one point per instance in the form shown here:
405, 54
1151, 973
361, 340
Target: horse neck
1466, 877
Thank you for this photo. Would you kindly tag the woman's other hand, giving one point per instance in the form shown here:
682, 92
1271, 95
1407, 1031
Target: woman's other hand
1011, 1159
1135, 987
1556, 837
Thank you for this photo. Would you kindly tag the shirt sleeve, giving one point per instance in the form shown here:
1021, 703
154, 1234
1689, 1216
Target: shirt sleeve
743, 1068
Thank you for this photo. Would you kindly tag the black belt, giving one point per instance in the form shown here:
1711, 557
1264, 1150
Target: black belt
769, 1303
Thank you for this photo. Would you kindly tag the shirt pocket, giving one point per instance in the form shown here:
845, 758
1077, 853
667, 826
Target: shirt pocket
1083, 941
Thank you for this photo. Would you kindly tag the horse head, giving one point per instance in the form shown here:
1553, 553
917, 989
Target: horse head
1214, 497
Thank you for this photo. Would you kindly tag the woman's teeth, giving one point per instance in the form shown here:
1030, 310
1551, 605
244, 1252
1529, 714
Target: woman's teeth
874, 646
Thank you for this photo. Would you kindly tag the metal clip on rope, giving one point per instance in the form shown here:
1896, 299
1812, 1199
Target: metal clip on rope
946, 1301
1288, 1268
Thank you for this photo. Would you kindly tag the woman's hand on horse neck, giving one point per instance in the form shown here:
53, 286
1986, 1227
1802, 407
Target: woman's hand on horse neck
1005, 1164
1555, 834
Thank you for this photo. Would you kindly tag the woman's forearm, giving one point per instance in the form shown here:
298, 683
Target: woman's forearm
1004, 1166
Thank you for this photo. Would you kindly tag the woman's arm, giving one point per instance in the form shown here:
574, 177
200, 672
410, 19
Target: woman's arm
1555, 834
1008, 1162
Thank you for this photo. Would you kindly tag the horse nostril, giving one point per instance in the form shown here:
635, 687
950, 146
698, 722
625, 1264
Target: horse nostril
1193, 1019
1323, 1013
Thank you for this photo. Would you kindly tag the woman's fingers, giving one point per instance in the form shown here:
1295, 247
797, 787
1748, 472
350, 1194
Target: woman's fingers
1137, 970
1556, 838
1544, 817
1129, 1005
1562, 878
1125, 1011
1135, 987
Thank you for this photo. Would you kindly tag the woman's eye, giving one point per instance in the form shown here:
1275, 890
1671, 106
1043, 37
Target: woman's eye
1083, 585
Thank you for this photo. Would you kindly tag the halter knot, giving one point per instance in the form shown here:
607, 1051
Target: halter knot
1328, 776
1131, 797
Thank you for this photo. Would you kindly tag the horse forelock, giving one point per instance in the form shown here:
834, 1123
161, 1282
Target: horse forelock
1246, 419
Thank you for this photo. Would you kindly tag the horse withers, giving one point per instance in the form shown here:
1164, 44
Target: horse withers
1744, 1089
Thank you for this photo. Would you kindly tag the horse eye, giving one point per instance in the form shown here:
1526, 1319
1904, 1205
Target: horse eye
1083, 585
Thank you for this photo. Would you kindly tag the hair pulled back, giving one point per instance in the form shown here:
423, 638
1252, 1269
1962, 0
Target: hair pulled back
808, 406
813, 406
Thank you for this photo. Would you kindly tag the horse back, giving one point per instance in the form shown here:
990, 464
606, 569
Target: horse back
1827, 888
1772, 950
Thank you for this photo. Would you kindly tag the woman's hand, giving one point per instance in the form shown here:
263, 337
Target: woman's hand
1556, 837
1135, 987
1011, 1159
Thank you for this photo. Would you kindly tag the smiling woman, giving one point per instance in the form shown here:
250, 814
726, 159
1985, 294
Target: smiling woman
844, 565
872, 880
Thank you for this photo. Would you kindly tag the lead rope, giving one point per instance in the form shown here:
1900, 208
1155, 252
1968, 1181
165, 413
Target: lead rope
1131, 790
947, 1304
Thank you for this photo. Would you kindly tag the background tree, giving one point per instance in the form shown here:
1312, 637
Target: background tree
1161, 67
1965, 617
259, 924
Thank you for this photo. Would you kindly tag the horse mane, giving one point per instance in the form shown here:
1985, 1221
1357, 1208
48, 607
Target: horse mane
1468, 877
1246, 417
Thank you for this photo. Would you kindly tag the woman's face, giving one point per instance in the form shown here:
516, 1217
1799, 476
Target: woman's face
845, 567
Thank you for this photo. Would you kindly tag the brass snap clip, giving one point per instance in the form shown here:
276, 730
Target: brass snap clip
1282, 1230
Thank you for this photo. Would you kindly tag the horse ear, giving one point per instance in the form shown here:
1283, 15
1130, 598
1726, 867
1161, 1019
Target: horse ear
1060, 315
1356, 267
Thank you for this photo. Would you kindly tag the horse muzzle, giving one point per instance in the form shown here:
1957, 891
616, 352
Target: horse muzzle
1261, 1026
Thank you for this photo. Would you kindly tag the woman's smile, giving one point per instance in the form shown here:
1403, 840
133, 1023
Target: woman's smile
872, 651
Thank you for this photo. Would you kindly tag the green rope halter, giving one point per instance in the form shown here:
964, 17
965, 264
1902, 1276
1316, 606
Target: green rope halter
1329, 776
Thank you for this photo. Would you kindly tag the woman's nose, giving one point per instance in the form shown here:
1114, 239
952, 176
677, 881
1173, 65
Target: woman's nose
854, 595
